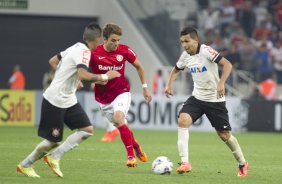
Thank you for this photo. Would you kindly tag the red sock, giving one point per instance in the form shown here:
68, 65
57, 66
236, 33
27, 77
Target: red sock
134, 142
126, 137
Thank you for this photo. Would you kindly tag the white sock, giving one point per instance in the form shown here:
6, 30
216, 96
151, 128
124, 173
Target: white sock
182, 143
71, 142
234, 146
109, 126
40, 150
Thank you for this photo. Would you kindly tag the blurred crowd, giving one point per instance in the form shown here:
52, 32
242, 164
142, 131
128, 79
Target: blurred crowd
247, 32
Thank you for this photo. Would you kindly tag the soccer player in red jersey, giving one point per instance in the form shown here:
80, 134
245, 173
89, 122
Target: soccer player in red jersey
114, 96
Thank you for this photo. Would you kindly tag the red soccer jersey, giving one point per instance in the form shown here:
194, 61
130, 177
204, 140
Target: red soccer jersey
103, 61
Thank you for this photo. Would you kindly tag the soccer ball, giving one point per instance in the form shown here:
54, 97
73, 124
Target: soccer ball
162, 165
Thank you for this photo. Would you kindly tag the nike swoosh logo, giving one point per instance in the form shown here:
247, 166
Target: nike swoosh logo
101, 57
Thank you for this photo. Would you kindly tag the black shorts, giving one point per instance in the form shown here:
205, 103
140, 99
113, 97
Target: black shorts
53, 118
216, 112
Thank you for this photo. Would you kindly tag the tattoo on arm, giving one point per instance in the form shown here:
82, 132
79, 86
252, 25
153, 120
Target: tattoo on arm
95, 78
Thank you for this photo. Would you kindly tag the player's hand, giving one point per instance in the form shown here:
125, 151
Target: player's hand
112, 74
80, 85
168, 92
220, 90
147, 95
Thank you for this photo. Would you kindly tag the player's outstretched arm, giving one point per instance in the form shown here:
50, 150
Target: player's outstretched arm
83, 74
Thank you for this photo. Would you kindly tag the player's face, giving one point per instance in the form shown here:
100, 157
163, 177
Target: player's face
112, 42
189, 44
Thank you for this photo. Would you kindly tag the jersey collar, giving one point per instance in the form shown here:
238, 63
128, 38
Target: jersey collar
85, 43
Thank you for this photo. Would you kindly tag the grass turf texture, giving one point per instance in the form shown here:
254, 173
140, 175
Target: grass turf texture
104, 163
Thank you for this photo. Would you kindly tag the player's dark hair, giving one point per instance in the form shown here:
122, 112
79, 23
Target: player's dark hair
91, 32
191, 31
111, 29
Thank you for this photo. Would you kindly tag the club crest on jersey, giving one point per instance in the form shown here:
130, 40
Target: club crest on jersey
55, 132
198, 69
119, 57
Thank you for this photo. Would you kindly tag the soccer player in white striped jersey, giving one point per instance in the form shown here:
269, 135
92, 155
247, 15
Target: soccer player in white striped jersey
60, 105
208, 97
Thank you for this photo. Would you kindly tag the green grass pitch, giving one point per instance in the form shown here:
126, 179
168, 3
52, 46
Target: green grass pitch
104, 163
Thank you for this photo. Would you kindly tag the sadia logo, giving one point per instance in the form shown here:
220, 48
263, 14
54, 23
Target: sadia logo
198, 69
16, 108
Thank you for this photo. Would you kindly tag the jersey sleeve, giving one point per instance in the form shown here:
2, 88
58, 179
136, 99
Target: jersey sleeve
62, 54
82, 57
131, 55
211, 54
182, 61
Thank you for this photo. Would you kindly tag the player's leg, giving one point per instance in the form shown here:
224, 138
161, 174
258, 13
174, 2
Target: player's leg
189, 113
118, 113
218, 116
126, 137
41, 149
140, 154
47, 144
184, 122
75, 118
112, 131
72, 141
236, 150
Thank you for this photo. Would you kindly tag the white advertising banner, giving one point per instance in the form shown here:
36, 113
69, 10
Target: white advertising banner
161, 113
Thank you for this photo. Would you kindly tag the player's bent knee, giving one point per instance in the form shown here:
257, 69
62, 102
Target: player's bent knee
118, 118
118, 121
88, 129
184, 120
224, 135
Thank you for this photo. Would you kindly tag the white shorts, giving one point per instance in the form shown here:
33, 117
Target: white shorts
121, 103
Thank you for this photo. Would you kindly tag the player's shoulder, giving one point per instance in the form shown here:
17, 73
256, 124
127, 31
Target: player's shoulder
123, 48
207, 50
71, 49
78, 47
204, 48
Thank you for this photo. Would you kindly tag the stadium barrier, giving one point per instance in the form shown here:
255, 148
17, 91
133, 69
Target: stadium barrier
161, 113
23, 108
